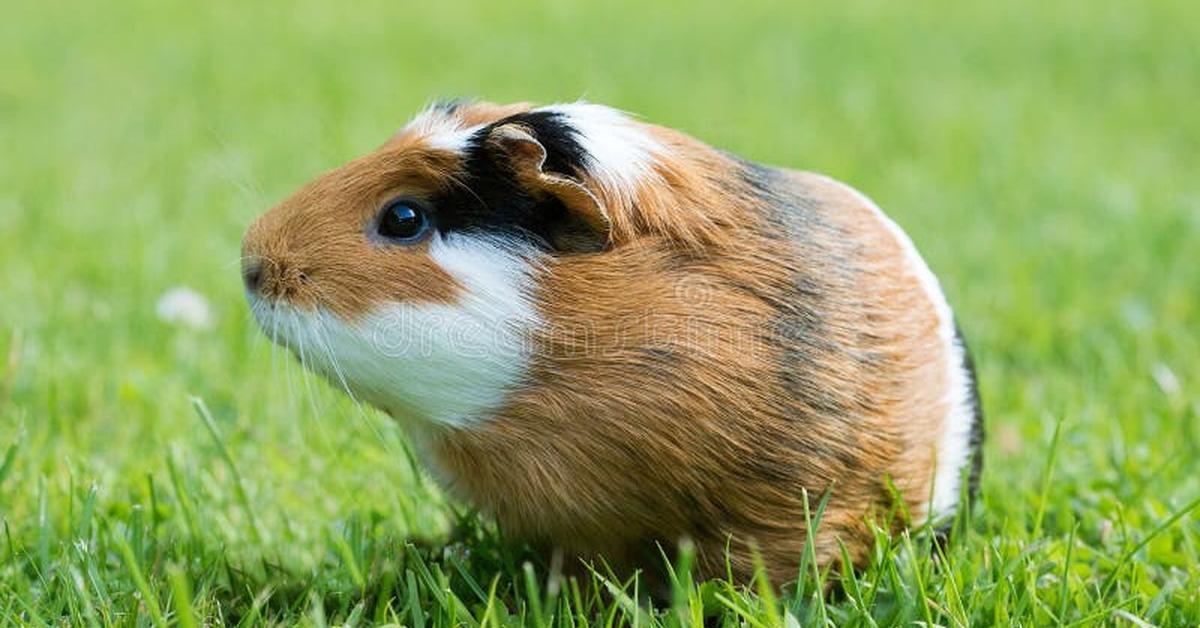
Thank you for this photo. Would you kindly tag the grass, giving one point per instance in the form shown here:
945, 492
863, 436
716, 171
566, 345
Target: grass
1044, 156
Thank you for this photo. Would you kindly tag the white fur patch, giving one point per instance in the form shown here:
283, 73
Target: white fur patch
444, 364
954, 446
442, 130
622, 155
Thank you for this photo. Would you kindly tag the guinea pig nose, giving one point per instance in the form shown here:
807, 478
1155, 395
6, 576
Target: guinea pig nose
252, 273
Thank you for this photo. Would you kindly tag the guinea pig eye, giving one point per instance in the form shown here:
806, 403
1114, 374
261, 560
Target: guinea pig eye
403, 221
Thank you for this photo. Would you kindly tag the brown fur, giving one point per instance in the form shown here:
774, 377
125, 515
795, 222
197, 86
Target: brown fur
667, 419
697, 378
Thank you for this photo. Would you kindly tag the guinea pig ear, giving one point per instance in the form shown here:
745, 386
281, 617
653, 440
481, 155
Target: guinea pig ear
587, 225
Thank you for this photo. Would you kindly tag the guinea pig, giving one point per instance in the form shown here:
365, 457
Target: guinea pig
610, 336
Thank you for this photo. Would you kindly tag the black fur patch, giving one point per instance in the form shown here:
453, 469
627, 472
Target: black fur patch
490, 202
977, 431
564, 153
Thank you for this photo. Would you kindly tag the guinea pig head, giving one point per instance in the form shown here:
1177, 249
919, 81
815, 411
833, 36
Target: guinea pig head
408, 276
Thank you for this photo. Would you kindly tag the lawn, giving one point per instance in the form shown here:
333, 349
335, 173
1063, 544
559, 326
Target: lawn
1045, 156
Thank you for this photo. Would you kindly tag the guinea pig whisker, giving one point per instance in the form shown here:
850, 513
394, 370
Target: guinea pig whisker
306, 376
254, 314
287, 363
322, 336
244, 180
238, 261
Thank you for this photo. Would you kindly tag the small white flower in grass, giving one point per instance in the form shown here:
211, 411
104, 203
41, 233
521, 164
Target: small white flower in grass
184, 307
1166, 379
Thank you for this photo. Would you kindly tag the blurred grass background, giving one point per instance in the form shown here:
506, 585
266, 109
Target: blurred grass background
1043, 155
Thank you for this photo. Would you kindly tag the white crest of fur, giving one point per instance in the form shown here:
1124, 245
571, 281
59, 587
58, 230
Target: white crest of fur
954, 445
443, 364
621, 155
442, 130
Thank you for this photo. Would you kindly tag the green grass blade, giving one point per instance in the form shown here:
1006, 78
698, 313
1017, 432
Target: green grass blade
238, 485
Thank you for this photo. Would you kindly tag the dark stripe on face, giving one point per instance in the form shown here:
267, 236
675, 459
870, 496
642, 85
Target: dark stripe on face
487, 200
